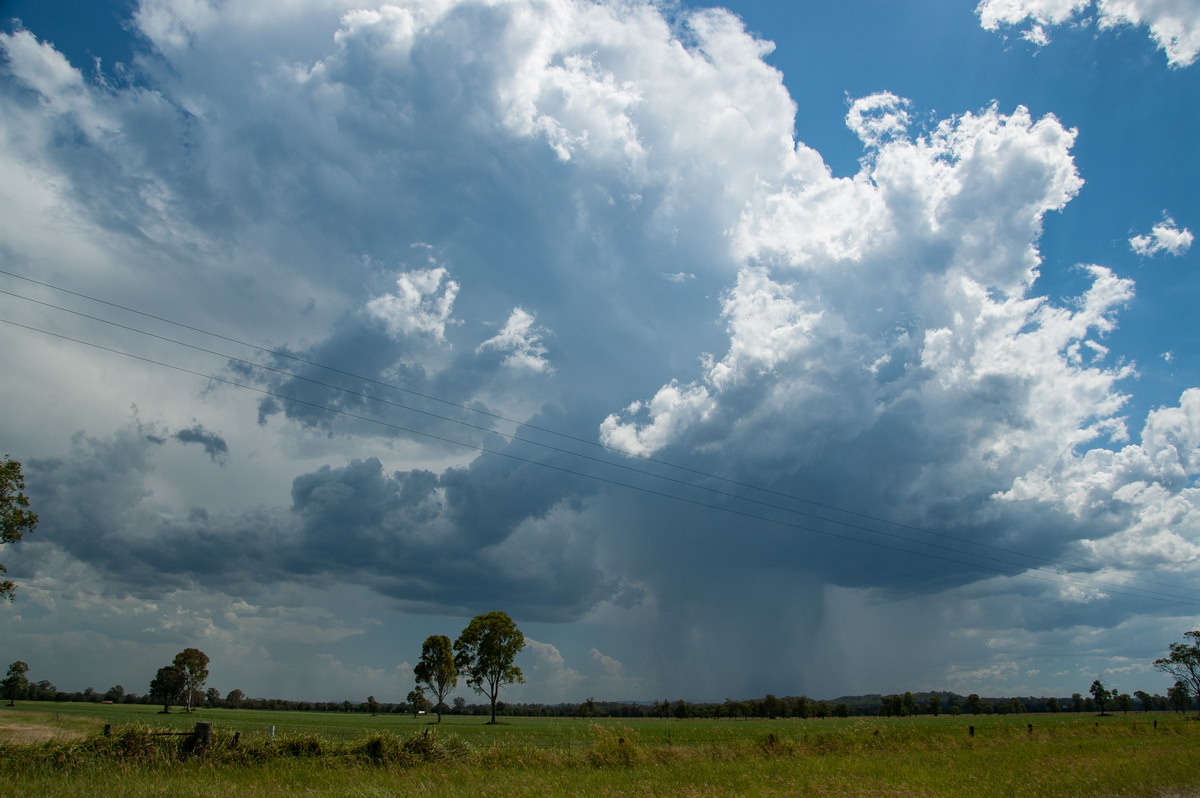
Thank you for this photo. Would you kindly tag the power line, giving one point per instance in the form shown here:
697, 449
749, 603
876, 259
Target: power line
1143, 593
510, 436
1020, 570
528, 425
1002, 567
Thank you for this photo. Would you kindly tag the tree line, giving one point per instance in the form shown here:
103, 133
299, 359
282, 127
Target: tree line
483, 655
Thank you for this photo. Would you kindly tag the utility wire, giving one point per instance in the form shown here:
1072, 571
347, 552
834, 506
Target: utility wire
526, 424
1020, 570
567, 436
569, 453
510, 436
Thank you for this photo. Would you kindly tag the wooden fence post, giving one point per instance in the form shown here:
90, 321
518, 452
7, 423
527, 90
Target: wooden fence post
203, 734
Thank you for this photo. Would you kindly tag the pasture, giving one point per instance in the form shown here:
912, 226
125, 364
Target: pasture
340, 754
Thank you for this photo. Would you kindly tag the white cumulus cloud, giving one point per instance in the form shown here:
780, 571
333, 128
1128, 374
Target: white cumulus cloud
1163, 237
1174, 24
521, 342
421, 305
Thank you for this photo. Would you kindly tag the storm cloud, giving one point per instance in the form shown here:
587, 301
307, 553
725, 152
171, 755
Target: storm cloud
406, 265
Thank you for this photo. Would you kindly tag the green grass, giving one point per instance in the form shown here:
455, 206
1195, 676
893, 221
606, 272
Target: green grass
336, 754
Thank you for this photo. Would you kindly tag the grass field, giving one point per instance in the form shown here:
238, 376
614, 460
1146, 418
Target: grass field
336, 754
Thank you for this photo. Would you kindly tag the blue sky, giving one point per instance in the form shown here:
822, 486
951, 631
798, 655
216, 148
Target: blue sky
795, 348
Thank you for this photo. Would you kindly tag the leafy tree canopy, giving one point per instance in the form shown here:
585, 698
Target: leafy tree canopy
168, 685
193, 663
1183, 663
436, 669
15, 682
15, 517
485, 652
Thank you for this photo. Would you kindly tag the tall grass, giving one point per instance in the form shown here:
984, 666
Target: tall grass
1058, 756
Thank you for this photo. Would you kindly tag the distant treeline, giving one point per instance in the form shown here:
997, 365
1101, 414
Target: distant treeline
769, 706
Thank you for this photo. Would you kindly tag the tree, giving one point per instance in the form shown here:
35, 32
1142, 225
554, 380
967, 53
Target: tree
194, 664
1183, 663
1177, 697
436, 669
15, 683
1101, 694
485, 651
419, 702
15, 518
168, 685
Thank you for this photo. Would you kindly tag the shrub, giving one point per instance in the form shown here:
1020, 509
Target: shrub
613, 747
429, 746
301, 745
773, 745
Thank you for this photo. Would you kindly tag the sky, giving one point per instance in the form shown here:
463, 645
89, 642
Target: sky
808, 349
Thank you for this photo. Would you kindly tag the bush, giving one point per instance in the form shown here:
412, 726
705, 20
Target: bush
773, 745
613, 748
301, 745
429, 746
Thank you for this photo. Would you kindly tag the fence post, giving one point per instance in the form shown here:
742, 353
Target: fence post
108, 730
203, 734
970, 731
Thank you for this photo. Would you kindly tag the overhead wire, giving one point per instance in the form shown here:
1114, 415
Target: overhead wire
1001, 566
526, 424
1020, 570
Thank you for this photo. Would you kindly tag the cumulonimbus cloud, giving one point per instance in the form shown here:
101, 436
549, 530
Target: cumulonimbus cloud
877, 341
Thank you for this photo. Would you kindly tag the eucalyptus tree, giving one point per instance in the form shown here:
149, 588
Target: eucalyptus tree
167, 685
1183, 663
15, 682
485, 652
436, 669
1102, 694
193, 664
15, 516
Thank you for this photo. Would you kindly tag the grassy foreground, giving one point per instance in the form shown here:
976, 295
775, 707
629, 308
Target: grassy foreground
325, 754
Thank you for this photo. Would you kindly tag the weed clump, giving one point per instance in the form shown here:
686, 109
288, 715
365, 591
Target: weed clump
302, 745
429, 746
772, 745
613, 748
384, 749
